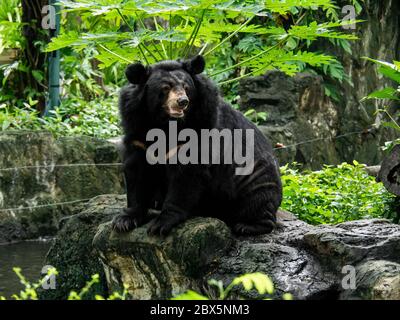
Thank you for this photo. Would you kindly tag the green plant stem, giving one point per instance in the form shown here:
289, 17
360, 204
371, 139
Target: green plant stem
133, 31
203, 49
113, 53
151, 53
161, 42
187, 42
152, 41
198, 25
243, 76
192, 38
251, 58
391, 118
170, 42
230, 36
300, 18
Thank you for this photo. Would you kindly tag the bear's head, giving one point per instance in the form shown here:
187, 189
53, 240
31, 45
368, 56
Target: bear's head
168, 86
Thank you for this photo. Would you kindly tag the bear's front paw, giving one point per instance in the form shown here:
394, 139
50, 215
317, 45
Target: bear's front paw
127, 221
264, 226
162, 225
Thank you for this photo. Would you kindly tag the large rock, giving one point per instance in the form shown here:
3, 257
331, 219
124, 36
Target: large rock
154, 268
307, 261
72, 253
376, 280
32, 173
297, 111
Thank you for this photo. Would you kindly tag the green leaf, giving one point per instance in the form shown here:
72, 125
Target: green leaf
391, 125
62, 41
259, 281
287, 5
176, 21
190, 295
390, 73
38, 75
390, 70
386, 93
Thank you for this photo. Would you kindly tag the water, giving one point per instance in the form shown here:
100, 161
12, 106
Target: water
29, 256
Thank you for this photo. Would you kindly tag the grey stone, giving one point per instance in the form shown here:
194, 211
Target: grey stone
306, 261
352, 242
72, 253
373, 171
29, 187
376, 280
154, 268
298, 111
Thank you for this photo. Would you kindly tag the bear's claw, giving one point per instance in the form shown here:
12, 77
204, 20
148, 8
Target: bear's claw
245, 229
158, 227
128, 221
163, 224
123, 223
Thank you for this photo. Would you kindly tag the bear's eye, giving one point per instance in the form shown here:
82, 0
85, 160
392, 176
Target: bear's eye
166, 87
186, 87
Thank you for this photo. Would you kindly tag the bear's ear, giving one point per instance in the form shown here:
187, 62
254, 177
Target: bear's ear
137, 73
195, 65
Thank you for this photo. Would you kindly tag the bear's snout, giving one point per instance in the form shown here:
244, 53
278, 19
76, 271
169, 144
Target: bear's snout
177, 102
183, 101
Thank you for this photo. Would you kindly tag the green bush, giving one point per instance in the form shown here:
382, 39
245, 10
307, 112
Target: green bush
97, 118
335, 194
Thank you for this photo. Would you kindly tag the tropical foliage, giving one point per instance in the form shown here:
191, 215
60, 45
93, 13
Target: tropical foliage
100, 37
10, 24
150, 31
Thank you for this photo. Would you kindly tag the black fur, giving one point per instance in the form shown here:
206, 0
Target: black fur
247, 203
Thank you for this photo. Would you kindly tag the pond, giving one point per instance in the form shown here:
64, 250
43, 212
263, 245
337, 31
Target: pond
27, 255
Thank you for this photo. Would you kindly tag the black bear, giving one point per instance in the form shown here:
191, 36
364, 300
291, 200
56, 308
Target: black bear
176, 92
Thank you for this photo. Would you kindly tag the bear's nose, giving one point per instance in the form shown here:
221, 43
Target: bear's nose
183, 102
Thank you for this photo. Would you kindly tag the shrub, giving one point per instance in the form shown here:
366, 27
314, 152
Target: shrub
335, 194
97, 118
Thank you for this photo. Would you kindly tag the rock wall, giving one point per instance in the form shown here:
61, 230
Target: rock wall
379, 38
306, 261
298, 111
47, 172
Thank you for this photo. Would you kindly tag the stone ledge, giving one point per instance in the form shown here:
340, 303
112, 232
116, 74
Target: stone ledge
301, 259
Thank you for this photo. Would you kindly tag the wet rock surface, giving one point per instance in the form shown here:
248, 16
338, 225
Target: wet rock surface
306, 261
72, 253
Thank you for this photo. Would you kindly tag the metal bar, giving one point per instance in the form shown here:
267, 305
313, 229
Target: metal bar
54, 65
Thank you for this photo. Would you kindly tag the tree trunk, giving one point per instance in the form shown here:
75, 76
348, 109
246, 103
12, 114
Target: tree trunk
32, 53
